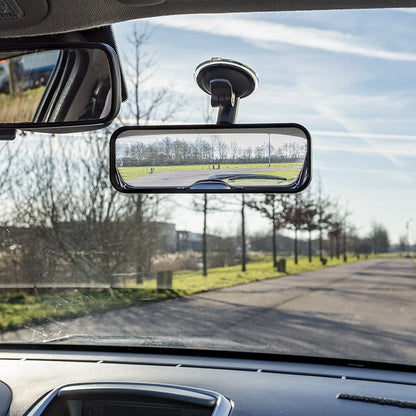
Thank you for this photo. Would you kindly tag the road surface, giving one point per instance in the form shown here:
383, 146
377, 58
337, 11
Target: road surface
364, 310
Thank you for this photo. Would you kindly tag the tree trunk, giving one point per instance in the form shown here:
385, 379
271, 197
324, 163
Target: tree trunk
274, 242
331, 247
296, 246
138, 223
243, 236
320, 244
337, 245
310, 247
204, 238
344, 246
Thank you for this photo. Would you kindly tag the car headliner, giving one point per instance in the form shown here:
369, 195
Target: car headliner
43, 17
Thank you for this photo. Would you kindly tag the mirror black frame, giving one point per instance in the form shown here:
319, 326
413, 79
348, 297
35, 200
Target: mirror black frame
302, 181
73, 126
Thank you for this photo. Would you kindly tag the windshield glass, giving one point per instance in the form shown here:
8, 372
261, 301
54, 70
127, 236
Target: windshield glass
328, 272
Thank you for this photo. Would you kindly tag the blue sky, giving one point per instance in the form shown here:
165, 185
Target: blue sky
347, 76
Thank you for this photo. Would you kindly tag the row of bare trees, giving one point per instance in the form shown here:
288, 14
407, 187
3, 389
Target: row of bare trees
304, 213
318, 216
321, 215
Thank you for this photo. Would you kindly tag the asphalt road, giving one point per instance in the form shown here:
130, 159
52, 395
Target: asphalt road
189, 177
364, 310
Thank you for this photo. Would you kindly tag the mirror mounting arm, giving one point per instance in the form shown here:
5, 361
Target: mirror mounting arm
226, 81
223, 96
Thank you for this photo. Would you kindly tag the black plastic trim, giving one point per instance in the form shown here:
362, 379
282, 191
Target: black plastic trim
5, 398
161, 351
103, 391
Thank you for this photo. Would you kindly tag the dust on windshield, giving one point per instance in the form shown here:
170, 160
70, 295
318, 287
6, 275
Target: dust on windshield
329, 272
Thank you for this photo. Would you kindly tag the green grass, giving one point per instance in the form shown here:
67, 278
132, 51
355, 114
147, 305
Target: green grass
21, 309
191, 282
134, 172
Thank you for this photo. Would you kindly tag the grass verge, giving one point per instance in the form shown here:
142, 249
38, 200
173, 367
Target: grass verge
20, 309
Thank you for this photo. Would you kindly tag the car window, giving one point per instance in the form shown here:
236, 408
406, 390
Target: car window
328, 272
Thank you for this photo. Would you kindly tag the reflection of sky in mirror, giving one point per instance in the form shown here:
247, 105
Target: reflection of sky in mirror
340, 73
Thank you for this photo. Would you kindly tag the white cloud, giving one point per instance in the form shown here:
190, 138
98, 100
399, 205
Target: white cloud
266, 34
391, 152
410, 10
363, 135
394, 175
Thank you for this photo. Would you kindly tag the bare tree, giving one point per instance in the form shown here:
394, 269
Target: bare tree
5, 167
379, 238
294, 215
243, 235
310, 215
334, 233
271, 206
323, 217
65, 197
201, 205
147, 105
237, 206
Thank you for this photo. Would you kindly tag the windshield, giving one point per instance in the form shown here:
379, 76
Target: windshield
329, 272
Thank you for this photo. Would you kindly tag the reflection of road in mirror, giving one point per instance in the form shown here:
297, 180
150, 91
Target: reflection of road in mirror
187, 178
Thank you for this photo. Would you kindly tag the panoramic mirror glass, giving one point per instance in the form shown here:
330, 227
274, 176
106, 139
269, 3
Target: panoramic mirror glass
54, 86
218, 158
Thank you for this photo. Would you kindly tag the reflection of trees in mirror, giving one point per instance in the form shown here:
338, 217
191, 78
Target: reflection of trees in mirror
179, 152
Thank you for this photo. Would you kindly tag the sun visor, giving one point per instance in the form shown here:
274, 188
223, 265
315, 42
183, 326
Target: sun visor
22, 13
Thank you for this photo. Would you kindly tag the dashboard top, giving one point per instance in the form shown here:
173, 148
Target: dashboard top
253, 385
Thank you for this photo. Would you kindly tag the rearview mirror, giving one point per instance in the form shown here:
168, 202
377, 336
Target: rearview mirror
272, 158
75, 87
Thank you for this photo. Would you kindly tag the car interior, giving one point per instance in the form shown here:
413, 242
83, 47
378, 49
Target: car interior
69, 375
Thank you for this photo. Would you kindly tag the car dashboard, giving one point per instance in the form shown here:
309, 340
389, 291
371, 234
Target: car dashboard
74, 382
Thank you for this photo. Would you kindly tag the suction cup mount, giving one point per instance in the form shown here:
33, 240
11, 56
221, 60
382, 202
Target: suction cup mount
226, 81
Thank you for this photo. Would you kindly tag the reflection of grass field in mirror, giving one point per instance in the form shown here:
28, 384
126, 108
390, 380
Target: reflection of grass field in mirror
133, 172
289, 174
21, 108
